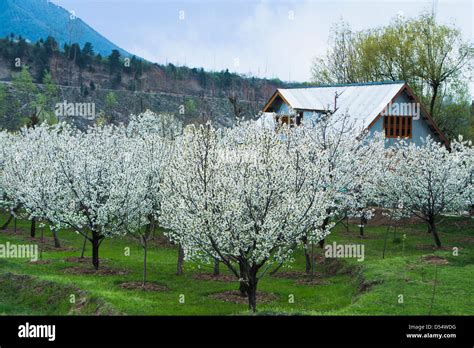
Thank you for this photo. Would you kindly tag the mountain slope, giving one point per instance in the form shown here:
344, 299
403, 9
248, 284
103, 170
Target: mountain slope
38, 19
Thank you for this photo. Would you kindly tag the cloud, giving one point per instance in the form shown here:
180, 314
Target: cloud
266, 38
275, 40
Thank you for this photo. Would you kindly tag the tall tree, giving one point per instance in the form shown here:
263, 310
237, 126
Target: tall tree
46, 100
26, 93
87, 54
441, 54
339, 65
114, 62
138, 179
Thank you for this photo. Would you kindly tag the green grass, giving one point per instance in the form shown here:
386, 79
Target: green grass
45, 289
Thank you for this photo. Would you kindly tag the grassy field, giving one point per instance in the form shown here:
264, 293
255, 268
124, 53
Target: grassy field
342, 287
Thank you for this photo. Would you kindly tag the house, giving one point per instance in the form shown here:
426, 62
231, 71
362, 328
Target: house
389, 107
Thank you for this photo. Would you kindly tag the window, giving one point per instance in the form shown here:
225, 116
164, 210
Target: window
286, 120
290, 120
299, 117
397, 126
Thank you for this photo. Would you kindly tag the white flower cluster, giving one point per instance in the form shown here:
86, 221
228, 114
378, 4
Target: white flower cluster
102, 182
427, 180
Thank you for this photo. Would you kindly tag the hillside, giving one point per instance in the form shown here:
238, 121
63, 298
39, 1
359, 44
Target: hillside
84, 76
38, 19
82, 66
196, 109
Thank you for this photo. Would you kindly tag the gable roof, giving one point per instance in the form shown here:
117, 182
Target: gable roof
364, 102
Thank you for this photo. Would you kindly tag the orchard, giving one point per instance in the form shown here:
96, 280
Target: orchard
245, 197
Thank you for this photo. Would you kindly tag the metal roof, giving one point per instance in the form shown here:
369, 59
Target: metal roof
363, 102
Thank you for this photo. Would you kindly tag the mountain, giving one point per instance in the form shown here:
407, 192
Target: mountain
38, 19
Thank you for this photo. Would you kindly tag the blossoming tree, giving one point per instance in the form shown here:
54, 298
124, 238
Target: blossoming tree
136, 182
233, 194
353, 158
5, 201
29, 176
430, 180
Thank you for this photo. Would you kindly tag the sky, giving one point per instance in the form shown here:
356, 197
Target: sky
278, 38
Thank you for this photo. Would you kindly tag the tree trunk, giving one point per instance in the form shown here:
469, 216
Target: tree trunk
325, 223
276, 269
216, 267
57, 244
33, 228
145, 251
150, 228
5, 225
179, 270
83, 247
252, 289
14, 225
95, 250
321, 243
243, 283
435, 233
42, 243
385, 239
363, 221
306, 255
433, 98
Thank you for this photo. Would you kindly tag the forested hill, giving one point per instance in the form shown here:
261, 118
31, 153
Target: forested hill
82, 66
120, 85
38, 19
